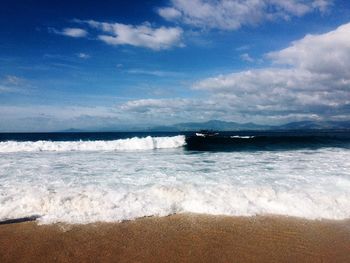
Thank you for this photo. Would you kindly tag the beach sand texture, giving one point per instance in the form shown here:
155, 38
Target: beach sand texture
180, 238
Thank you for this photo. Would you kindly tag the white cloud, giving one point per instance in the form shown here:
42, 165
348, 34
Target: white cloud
144, 105
168, 111
310, 79
169, 13
313, 78
13, 84
233, 14
83, 55
144, 35
247, 58
53, 118
71, 32
13, 80
327, 53
157, 73
136, 113
306, 80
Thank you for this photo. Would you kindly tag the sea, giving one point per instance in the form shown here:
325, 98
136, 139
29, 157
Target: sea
81, 178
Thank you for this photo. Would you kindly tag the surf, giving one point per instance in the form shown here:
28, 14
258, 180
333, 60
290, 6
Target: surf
129, 144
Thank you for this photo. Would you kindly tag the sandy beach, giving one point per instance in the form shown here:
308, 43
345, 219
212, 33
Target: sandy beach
180, 238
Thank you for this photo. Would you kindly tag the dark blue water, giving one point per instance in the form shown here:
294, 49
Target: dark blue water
269, 141
224, 141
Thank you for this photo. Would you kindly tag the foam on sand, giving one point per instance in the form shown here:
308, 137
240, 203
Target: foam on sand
92, 204
85, 187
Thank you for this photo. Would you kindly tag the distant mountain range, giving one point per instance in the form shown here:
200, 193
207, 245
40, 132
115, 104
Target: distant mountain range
218, 125
316, 125
234, 126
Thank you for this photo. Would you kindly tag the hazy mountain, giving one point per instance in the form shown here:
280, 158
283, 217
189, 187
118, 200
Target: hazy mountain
72, 130
315, 125
234, 126
227, 126
212, 125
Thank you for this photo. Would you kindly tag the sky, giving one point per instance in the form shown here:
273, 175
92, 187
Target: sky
100, 65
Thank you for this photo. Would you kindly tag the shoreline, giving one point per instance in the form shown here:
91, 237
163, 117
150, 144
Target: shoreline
180, 238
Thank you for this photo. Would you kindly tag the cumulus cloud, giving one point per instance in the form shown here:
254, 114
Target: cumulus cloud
325, 54
233, 14
144, 35
311, 77
70, 32
307, 80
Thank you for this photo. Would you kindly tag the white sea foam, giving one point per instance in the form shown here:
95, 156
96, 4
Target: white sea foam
242, 137
147, 143
84, 187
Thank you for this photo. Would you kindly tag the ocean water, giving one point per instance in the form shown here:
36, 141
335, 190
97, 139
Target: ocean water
109, 177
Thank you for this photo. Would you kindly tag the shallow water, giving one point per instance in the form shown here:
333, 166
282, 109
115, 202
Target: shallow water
74, 184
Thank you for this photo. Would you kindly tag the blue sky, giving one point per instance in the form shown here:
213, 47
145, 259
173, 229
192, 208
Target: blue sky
121, 64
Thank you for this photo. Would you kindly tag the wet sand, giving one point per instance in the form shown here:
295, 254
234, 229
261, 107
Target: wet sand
179, 238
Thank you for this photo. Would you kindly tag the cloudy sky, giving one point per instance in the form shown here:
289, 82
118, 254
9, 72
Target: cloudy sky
119, 64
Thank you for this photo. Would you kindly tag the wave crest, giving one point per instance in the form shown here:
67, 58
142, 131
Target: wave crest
135, 143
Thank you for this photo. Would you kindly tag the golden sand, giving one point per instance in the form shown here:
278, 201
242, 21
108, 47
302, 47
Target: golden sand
180, 238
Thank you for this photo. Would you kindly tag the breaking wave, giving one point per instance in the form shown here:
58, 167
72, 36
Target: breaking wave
108, 179
136, 143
